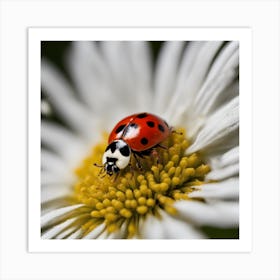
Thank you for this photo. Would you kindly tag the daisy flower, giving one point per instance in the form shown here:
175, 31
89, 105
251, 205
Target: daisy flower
191, 191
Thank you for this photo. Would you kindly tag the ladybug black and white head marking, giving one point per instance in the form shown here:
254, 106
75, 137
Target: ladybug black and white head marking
116, 157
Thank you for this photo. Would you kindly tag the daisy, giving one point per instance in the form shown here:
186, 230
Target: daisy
192, 191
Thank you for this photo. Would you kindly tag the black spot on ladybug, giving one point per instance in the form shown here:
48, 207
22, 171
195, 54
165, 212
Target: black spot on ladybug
144, 141
125, 151
150, 124
120, 128
161, 128
133, 125
110, 159
142, 116
112, 147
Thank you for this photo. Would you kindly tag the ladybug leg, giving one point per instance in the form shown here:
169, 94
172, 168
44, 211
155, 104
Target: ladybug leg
115, 177
138, 164
155, 155
161, 146
132, 169
102, 176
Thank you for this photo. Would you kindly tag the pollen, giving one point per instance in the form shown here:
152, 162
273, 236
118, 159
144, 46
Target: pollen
122, 201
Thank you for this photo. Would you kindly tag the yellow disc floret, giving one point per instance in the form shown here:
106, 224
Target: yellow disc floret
123, 200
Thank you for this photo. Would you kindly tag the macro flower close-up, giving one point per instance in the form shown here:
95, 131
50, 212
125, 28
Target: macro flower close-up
186, 185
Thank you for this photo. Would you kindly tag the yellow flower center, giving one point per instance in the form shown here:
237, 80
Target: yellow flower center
134, 193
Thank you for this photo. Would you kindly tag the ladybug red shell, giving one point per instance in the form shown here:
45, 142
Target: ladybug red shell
140, 131
137, 134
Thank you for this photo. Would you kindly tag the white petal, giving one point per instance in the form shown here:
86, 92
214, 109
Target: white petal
129, 64
226, 95
166, 73
49, 178
168, 228
49, 206
90, 74
178, 229
66, 145
54, 191
56, 136
152, 229
140, 61
95, 84
66, 232
228, 189
192, 76
46, 109
229, 158
58, 228
220, 86
55, 170
113, 235
52, 162
223, 58
213, 88
223, 173
218, 214
217, 128
108, 80
53, 215
96, 232
103, 235
116, 55
195, 65
62, 98
76, 235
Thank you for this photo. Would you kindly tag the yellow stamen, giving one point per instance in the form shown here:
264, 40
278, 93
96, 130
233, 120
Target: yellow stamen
135, 193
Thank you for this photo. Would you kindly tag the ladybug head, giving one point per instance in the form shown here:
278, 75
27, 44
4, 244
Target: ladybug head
116, 157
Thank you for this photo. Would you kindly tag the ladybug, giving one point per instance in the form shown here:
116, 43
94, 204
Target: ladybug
137, 134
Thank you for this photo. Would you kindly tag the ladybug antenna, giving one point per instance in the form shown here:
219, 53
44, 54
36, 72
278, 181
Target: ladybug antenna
102, 169
176, 132
98, 165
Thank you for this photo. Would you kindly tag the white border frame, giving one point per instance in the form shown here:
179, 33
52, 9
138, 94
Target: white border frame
263, 17
243, 35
